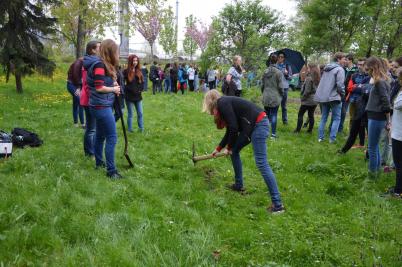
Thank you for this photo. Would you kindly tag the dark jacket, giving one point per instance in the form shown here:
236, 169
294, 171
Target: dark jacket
133, 89
153, 73
364, 92
96, 98
357, 79
240, 117
174, 73
307, 92
378, 103
74, 74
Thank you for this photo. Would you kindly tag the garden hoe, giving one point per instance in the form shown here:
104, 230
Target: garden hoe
124, 133
205, 157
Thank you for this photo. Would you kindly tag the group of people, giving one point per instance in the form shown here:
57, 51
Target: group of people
371, 90
180, 77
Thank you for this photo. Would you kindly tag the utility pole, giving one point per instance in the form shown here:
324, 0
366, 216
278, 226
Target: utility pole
177, 31
123, 29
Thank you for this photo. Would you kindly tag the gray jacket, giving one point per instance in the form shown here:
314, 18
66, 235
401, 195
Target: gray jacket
332, 84
272, 87
307, 92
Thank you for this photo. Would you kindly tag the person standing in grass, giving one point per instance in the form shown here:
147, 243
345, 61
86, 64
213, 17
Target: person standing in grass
74, 83
396, 135
245, 122
329, 94
92, 51
235, 74
144, 71
134, 82
378, 111
272, 91
307, 97
102, 82
182, 76
287, 76
168, 81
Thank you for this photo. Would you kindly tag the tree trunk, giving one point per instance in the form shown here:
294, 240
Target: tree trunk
152, 52
18, 82
373, 31
81, 29
394, 41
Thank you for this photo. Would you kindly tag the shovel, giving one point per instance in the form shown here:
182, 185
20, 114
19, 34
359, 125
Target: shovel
205, 157
130, 163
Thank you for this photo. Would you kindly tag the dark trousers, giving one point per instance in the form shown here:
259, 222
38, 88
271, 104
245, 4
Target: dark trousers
211, 85
397, 154
89, 135
154, 86
238, 93
191, 84
345, 106
357, 128
283, 105
174, 85
302, 110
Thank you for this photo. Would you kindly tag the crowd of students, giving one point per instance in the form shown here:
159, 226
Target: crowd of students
370, 92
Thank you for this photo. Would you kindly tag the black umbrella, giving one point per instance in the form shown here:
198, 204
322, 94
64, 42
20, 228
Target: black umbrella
293, 58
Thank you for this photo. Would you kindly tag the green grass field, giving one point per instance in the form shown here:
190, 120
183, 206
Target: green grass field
57, 210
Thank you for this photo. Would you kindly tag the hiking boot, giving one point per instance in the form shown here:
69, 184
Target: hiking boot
236, 188
276, 209
114, 176
391, 193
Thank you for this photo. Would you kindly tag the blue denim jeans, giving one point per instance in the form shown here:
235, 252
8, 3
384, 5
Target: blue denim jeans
344, 110
258, 140
168, 87
374, 132
77, 108
145, 83
272, 114
335, 107
283, 105
105, 130
138, 108
89, 135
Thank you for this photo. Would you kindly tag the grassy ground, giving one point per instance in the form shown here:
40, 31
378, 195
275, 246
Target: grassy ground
57, 210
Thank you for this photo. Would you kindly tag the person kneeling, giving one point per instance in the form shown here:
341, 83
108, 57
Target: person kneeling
244, 122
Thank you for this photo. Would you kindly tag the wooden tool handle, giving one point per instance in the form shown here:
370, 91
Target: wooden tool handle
209, 156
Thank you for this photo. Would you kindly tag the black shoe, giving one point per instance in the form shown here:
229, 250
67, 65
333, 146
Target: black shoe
236, 188
391, 193
276, 209
115, 176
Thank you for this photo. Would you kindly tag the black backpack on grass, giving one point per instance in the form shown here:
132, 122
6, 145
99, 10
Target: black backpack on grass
22, 137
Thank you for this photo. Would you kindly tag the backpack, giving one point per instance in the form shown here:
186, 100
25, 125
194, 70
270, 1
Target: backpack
184, 75
6, 145
22, 138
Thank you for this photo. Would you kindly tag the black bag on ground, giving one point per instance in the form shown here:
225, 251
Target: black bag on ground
22, 137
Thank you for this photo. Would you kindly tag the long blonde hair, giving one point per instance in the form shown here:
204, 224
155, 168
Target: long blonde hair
211, 101
378, 67
109, 53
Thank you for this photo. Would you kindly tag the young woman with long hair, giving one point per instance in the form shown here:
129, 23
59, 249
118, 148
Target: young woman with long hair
245, 122
102, 82
378, 111
134, 84
307, 96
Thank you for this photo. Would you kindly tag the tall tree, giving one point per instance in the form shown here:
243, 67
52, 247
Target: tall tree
189, 45
200, 35
247, 28
23, 26
80, 19
147, 19
168, 33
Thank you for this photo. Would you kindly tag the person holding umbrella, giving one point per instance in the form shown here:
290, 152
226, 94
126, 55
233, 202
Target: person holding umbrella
287, 76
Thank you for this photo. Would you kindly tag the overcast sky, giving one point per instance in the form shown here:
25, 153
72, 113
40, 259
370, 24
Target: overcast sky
205, 10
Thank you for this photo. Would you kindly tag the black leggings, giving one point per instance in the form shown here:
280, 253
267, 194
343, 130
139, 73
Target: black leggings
191, 84
310, 111
397, 154
357, 128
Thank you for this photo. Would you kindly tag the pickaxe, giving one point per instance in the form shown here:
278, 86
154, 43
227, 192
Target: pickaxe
204, 157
